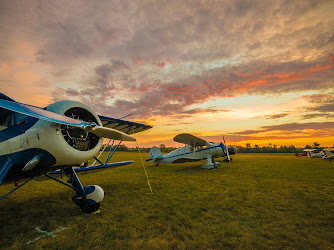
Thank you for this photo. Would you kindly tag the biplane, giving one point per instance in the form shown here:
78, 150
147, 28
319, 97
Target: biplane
60, 138
328, 153
313, 153
195, 149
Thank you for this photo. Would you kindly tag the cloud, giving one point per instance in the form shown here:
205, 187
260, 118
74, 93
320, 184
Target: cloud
292, 128
276, 116
317, 115
174, 97
157, 58
323, 106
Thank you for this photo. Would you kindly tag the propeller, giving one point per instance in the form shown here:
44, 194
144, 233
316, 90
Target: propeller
227, 153
42, 114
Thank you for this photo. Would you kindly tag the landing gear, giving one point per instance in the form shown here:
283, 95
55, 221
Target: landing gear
91, 202
87, 198
211, 163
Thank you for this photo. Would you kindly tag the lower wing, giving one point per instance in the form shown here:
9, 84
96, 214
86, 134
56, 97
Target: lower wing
96, 167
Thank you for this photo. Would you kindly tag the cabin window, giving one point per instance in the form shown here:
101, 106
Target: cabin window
6, 119
19, 117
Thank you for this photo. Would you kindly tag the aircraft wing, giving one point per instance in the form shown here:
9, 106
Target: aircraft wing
123, 126
61, 119
97, 167
41, 114
183, 160
190, 140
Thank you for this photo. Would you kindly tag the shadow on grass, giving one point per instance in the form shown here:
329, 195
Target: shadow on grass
19, 217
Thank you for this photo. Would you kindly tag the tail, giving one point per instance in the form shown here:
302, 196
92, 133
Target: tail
155, 154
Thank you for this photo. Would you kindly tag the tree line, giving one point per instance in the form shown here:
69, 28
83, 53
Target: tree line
248, 148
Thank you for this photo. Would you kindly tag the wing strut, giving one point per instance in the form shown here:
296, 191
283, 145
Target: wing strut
5, 168
110, 154
18, 187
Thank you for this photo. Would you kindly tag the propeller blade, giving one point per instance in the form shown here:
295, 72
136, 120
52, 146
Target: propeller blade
43, 114
227, 153
109, 133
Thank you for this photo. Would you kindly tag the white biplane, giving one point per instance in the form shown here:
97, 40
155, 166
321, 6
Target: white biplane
65, 135
195, 149
313, 153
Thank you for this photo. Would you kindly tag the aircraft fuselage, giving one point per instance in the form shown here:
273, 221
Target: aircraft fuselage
187, 153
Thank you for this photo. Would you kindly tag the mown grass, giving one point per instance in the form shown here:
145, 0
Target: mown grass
255, 201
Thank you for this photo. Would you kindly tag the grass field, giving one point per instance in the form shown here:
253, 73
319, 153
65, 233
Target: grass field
255, 201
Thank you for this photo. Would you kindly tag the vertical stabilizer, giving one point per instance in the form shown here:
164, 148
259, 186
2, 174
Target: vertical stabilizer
155, 154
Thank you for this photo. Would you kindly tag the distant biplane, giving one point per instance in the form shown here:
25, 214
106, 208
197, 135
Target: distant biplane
195, 149
328, 153
65, 135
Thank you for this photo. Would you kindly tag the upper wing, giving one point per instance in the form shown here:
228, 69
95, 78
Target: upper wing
42, 114
61, 119
123, 126
190, 140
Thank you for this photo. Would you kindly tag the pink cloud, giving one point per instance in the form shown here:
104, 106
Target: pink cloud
165, 63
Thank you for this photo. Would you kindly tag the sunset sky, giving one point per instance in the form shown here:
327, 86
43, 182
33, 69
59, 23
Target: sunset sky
258, 72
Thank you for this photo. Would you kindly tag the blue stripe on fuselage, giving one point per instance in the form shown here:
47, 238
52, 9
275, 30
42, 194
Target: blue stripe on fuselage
208, 148
21, 158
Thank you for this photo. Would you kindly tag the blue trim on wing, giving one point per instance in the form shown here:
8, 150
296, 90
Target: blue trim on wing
89, 168
4, 97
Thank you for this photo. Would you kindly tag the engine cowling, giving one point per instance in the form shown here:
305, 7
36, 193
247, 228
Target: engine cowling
70, 146
77, 138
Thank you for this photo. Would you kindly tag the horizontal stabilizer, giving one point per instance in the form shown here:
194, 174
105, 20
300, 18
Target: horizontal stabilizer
155, 159
97, 167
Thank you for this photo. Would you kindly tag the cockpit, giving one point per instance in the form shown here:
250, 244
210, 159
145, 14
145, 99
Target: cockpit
9, 118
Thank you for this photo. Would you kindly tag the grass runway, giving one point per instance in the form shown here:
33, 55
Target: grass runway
255, 201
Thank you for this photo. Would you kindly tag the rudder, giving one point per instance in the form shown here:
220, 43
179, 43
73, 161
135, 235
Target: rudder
155, 154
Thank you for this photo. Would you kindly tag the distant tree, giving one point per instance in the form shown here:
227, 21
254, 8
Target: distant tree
315, 145
256, 146
162, 147
248, 145
123, 148
308, 146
